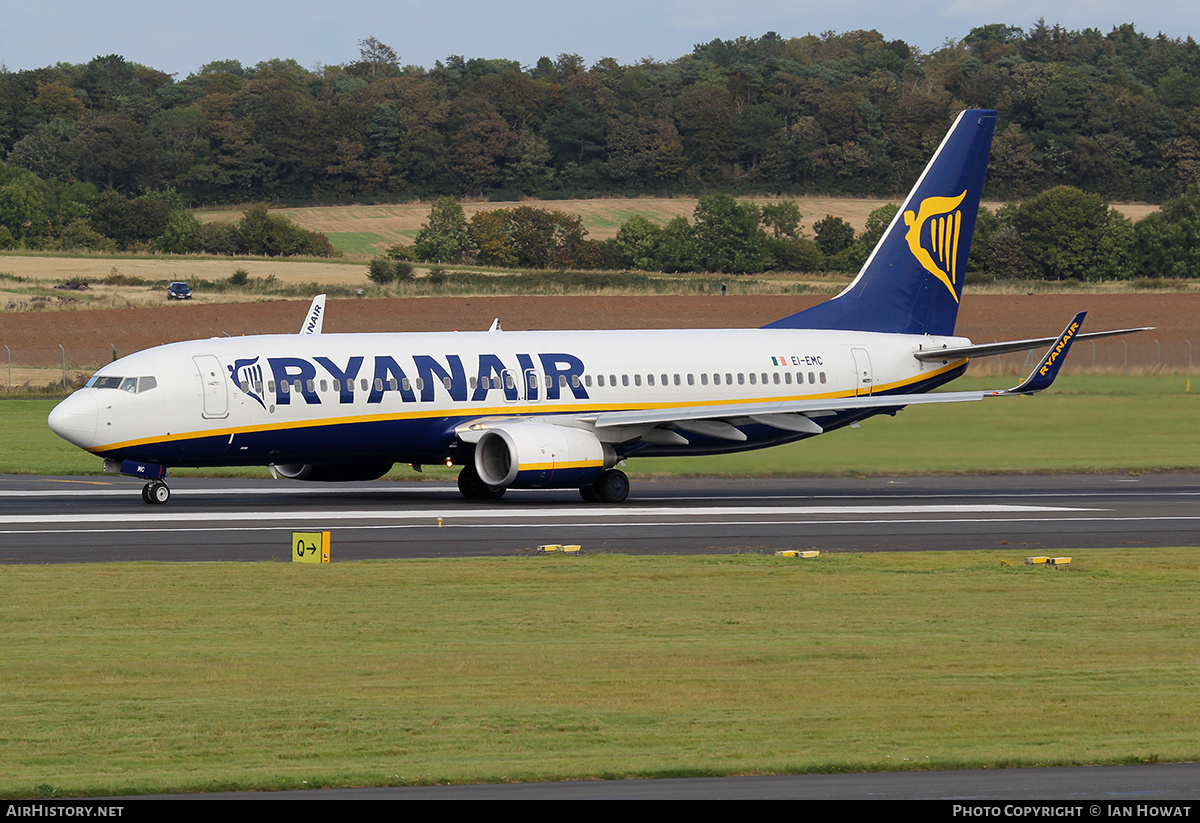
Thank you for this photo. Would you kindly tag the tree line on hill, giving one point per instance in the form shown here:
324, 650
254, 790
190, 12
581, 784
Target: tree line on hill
110, 154
54, 215
1116, 114
1062, 234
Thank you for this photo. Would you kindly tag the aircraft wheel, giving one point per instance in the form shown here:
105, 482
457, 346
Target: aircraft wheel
612, 487
468, 482
588, 493
157, 492
472, 488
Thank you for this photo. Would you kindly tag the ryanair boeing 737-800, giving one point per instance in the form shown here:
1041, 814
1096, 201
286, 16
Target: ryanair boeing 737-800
560, 409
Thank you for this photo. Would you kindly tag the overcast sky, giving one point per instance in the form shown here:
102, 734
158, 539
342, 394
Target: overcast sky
179, 38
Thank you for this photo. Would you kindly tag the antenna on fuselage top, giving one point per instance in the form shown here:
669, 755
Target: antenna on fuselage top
495, 326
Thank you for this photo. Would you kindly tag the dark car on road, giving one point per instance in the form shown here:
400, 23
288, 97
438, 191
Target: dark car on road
179, 291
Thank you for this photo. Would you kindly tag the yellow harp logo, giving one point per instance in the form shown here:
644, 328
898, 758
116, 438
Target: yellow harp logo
933, 237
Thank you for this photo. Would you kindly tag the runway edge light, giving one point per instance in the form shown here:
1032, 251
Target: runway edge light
310, 547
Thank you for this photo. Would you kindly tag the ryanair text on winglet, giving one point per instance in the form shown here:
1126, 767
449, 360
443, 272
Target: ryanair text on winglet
1062, 344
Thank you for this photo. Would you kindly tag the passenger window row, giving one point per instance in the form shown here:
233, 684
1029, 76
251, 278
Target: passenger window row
728, 379
717, 378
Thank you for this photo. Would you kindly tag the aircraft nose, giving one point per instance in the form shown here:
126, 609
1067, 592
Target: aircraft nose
74, 419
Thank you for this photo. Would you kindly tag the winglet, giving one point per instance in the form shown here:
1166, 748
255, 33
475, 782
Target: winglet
1042, 376
316, 316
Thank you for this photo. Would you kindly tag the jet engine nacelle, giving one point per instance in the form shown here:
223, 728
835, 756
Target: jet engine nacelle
333, 473
540, 455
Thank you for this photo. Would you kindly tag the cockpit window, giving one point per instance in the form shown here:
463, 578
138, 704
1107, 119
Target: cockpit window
133, 385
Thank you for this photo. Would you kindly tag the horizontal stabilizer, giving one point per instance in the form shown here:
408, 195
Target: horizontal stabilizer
1008, 346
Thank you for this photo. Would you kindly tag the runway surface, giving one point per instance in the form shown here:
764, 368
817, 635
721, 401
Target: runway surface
1096, 791
79, 519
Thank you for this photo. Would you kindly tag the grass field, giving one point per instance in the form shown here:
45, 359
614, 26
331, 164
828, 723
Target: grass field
130, 678
1086, 423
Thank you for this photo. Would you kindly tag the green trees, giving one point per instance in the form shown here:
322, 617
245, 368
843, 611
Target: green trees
1061, 234
637, 243
261, 233
1070, 234
840, 113
444, 237
383, 271
834, 235
24, 210
1168, 241
529, 237
727, 235
130, 221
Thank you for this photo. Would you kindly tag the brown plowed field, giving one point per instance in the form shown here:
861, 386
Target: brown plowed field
90, 336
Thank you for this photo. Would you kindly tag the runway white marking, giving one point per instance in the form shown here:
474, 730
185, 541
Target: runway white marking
586, 525
699, 513
126, 490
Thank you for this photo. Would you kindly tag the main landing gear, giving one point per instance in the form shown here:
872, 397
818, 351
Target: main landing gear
156, 492
473, 488
612, 487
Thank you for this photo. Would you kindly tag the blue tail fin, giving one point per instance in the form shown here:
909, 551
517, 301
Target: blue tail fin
912, 282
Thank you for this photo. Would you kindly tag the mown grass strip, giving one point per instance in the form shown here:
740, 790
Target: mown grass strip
193, 677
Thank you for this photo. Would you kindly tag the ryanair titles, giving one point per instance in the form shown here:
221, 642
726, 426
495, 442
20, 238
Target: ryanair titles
523, 377
1063, 343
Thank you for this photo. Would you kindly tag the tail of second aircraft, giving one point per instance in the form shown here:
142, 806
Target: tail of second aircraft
912, 282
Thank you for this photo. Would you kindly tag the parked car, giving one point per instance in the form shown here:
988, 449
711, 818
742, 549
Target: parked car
179, 291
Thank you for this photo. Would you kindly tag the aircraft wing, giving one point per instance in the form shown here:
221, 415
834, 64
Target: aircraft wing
796, 415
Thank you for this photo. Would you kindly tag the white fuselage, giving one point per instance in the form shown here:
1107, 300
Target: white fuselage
354, 398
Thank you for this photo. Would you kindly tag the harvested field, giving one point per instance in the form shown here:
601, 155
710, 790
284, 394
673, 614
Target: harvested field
94, 269
602, 217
